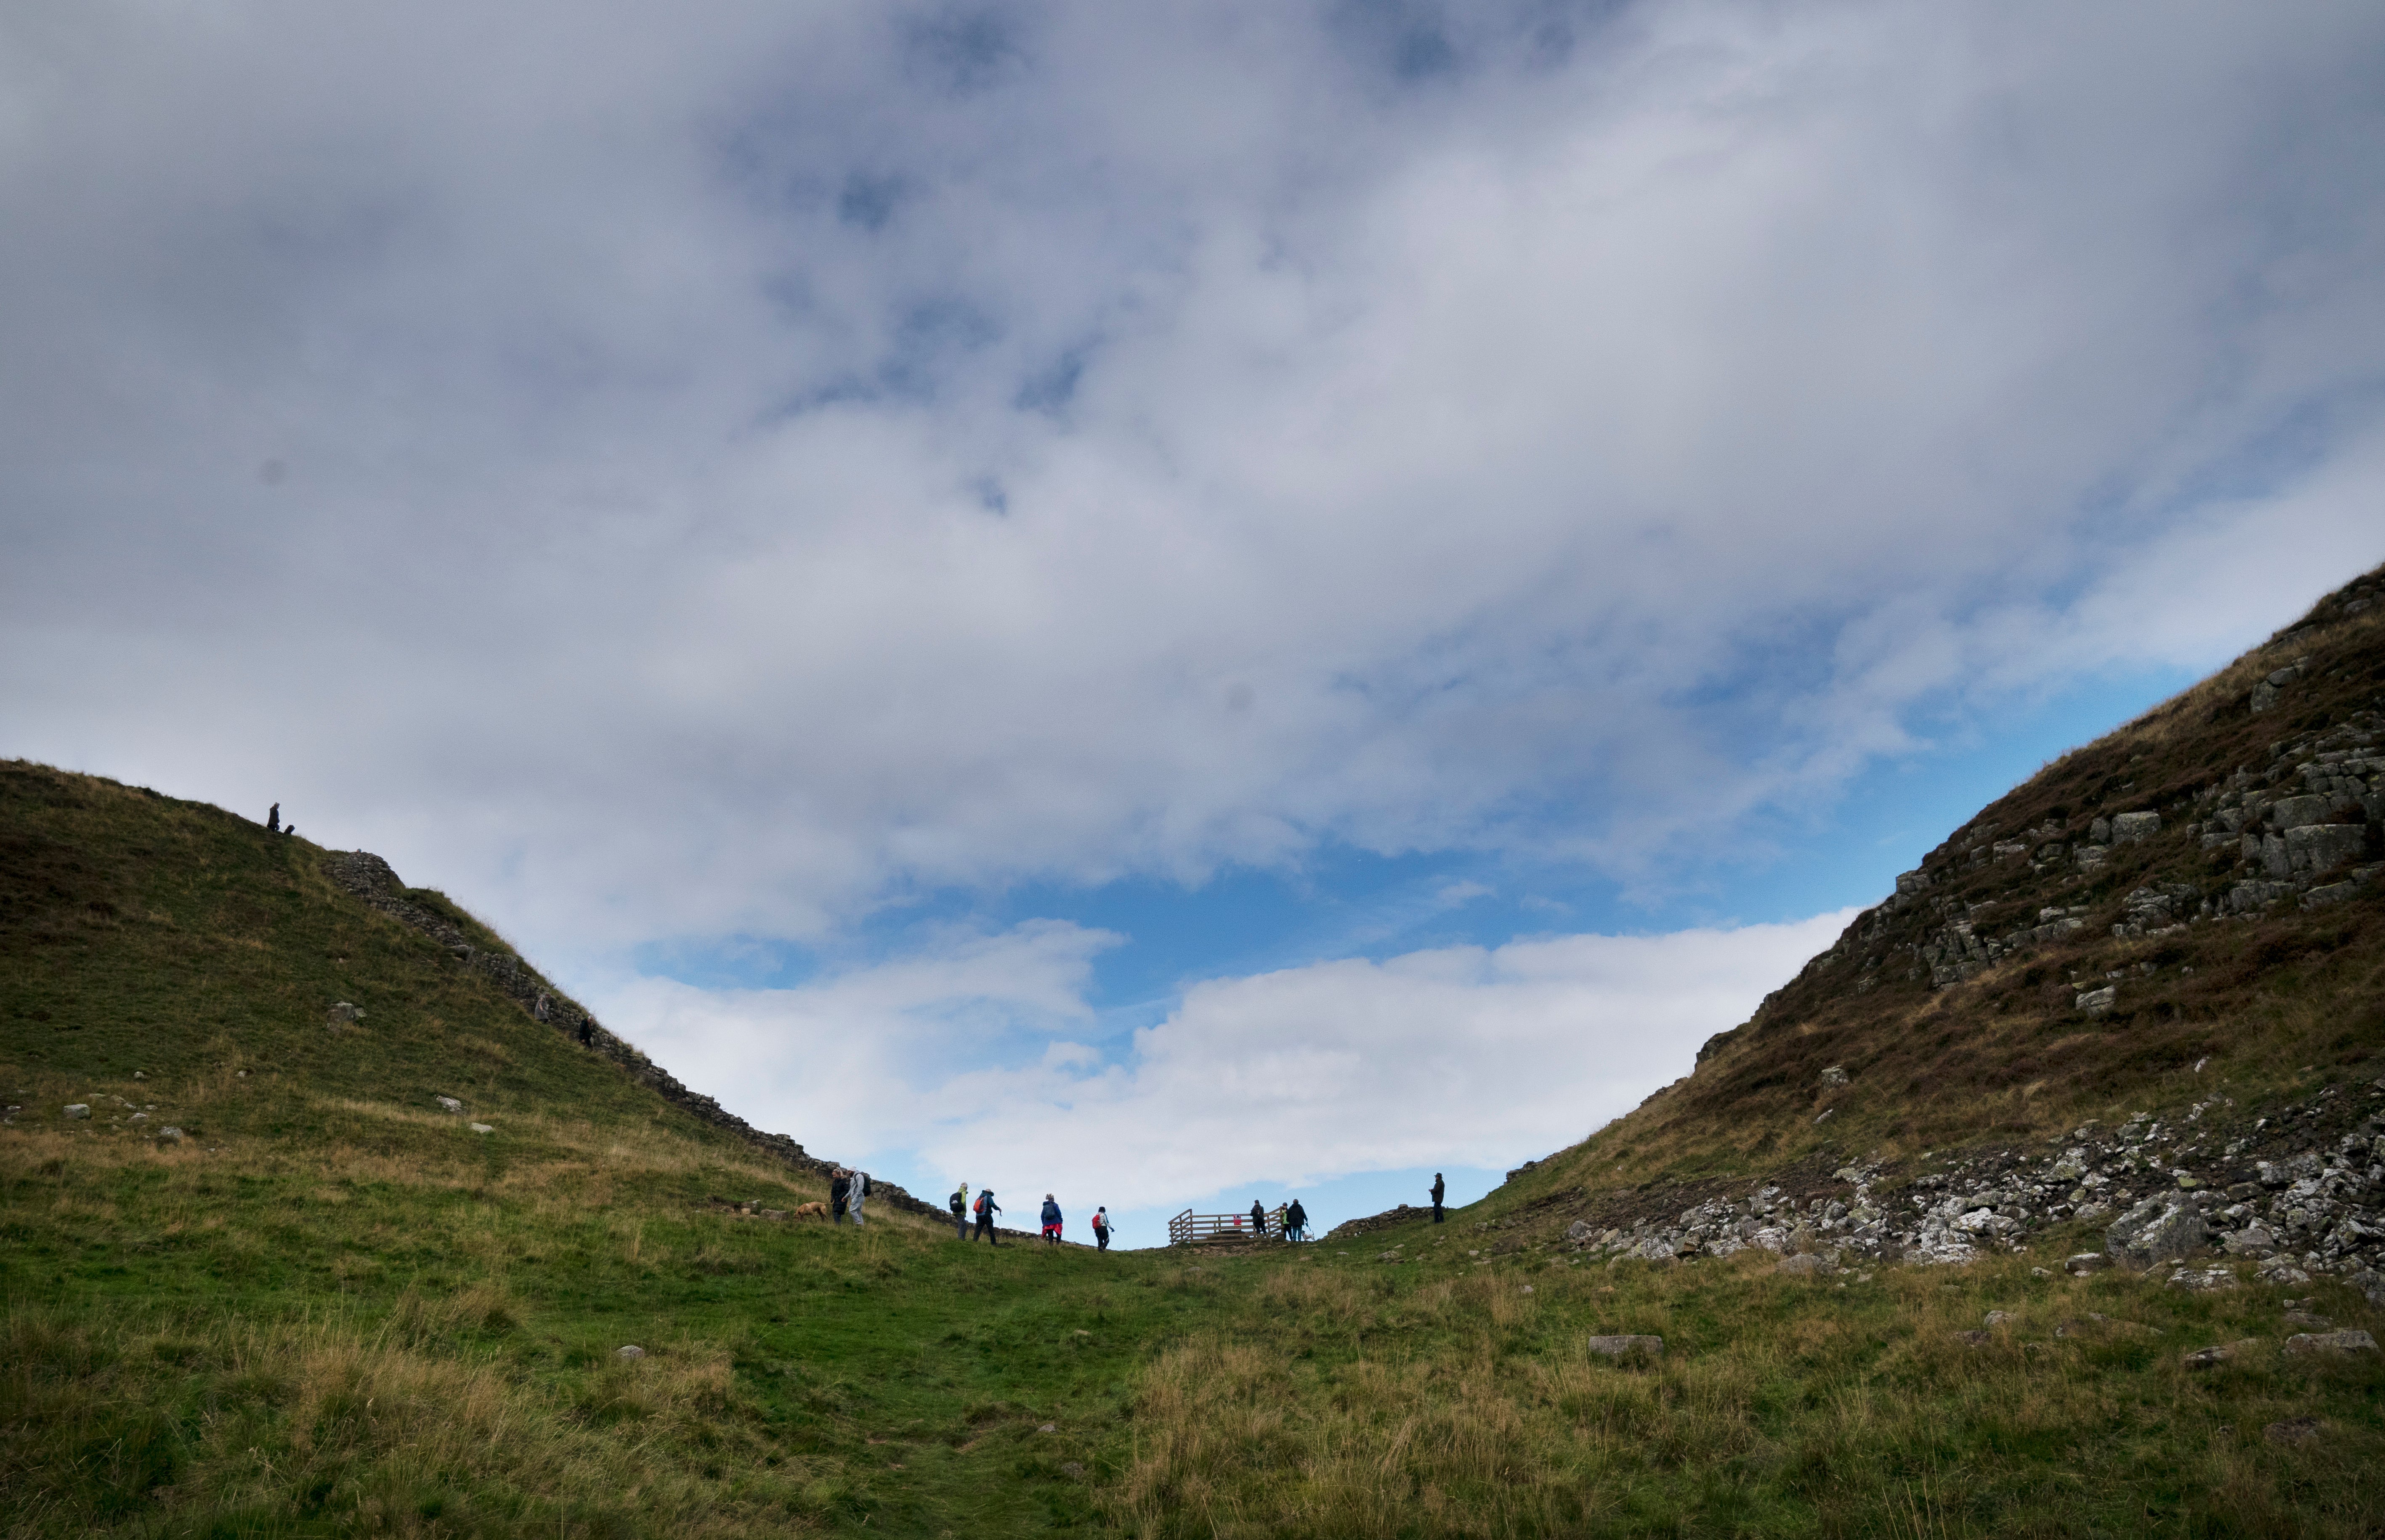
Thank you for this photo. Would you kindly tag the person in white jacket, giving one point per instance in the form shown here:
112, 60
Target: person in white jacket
853, 1193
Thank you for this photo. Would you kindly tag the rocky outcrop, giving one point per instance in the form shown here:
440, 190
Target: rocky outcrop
367, 877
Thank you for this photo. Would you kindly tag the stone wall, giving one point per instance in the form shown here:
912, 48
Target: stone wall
367, 877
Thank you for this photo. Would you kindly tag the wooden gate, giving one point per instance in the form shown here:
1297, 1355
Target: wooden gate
1189, 1229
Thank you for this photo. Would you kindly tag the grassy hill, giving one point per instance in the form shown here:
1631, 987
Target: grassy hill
331, 1306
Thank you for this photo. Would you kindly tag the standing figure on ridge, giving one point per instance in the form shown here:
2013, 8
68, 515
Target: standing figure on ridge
1258, 1219
273, 820
1295, 1223
1102, 1229
960, 1211
857, 1188
1051, 1221
839, 1185
986, 1210
1438, 1188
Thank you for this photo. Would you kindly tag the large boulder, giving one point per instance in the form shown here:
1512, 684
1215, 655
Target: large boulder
2130, 828
2161, 1229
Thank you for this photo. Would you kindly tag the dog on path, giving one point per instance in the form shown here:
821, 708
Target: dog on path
809, 1211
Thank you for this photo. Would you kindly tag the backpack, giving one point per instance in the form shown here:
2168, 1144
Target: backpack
861, 1182
980, 1205
958, 1206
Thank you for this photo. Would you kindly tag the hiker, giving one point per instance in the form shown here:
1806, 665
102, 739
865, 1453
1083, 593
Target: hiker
1295, 1223
273, 820
1258, 1219
960, 1211
1051, 1222
986, 1210
1102, 1229
839, 1184
588, 1032
855, 1189
1438, 1188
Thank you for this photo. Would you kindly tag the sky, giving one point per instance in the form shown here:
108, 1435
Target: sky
1176, 603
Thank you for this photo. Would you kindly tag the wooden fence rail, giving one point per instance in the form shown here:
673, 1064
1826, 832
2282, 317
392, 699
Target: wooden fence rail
1189, 1228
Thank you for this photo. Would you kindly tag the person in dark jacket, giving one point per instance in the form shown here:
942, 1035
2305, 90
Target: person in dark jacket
1051, 1221
986, 1210
1258, 1219
1102, 1229
1295, 1223
839, 1185
1438, 1188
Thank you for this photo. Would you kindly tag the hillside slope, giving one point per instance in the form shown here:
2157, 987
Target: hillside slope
2156, 968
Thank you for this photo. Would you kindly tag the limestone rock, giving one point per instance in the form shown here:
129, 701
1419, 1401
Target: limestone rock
2161, 1229
2202, 1279
2322, 846
2211, 1357
631, 1351
2099, 1002
2086, 1262
1630, 1346
1579, 1230
2297, 812
2133, 828
482, 1128
2339, 1344
448, 1103
169, 1135
1836, 1075
1998, 1318
343, 1011
76, 1111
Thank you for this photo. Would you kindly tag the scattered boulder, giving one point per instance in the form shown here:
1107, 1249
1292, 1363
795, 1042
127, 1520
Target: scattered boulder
482, 1128
76, 1111
2086, 1262
2211, 1357
1579, 1230
2161, 1229
448, 1103
1049, 1428
2200, 1279
1836, 1075
343, 1011
2098, 1002
1998, 1318
169, 1135
2334, 1345
1626, 1346
1804, 1265
631, 1351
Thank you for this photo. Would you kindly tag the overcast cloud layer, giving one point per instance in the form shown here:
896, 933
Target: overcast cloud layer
678, 475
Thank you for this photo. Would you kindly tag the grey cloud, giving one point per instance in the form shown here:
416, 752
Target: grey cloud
744, 466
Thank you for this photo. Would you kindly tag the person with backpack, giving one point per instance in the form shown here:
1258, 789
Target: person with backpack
1051, 1222
1438, 1188
840, 1186
986, 1210
960, 1211
1295, 1223
1102, 1229
1258, 1218
857, 1189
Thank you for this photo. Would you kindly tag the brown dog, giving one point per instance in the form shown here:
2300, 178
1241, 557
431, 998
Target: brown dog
808, 1211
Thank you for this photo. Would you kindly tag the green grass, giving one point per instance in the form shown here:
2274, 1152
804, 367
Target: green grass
333, 1310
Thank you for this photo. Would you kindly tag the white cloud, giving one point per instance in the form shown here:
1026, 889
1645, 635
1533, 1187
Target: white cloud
747, 468
1463, 1056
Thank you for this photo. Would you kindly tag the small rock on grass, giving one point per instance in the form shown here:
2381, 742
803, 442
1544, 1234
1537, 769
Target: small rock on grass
1997, 1318
1049, 1428
482, 1128
78, 1110
2211, 1357
2293, 1430
630, 1351
2340, 1344
448, 1103
2202, 1279
1626, 1346
2085, 1263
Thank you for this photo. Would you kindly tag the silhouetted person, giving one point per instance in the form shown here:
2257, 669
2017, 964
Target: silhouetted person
1258, 1219
1296, 1221
273, 820
1102, 1229
1438, 1188
587, 1032
839, 1186
986, 1210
